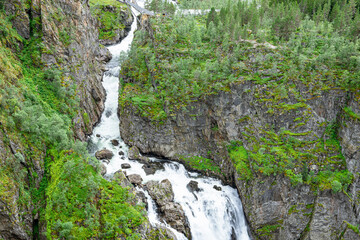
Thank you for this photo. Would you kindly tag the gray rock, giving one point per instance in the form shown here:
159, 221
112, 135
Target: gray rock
193, 186
170, 211
135, 179
161, 192
125, 166
152, 167
104, 154
134, 153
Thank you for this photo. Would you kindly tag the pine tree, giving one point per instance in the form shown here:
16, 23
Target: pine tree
212, 17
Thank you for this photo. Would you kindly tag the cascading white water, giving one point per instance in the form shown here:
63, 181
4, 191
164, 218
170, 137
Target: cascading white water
212, 214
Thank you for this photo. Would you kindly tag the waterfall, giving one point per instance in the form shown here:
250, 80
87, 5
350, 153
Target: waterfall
212, 214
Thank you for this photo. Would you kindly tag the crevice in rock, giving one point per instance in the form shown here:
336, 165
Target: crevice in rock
306, 230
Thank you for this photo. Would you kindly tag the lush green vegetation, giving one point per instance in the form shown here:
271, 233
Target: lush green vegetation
110, 20
36, 111
201, 164
84, 205
289, 51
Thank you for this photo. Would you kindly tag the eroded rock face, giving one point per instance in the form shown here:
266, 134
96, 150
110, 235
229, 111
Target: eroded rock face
71, 43
170, 211
292, 212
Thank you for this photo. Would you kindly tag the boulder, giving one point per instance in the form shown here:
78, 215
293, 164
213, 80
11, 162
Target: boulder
115, 142
104, 154
121, 153
151, 167
174, 215
193, 186
125, 166
135, 179
98, 135
217, 188
161, 192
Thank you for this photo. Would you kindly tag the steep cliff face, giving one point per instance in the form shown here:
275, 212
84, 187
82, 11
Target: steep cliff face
71, 42
289, 137
62, 37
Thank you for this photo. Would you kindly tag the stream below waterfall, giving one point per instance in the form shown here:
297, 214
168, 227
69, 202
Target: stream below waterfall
212, 214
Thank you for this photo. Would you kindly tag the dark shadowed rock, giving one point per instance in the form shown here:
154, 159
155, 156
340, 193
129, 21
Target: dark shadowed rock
104, 154
121, 153
125, 166
115, 142
217, 188
98, 135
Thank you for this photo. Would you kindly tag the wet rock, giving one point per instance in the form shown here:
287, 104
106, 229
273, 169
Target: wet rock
170, 211
152, 167
98, 135
125, 166
218, 188
102, 169
115, 142
121, 153
122, 158
193, 186
161, 192
104, 154
143, 159
174, 215
135, 179
149, 170
140, 196
108, 114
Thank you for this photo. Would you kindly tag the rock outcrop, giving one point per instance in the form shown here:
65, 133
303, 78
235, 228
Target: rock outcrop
170, 211
276, 208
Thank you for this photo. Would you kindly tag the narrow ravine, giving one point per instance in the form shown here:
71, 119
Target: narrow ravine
212, 213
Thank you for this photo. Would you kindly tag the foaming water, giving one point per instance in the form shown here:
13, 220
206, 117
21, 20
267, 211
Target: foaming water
212, 214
